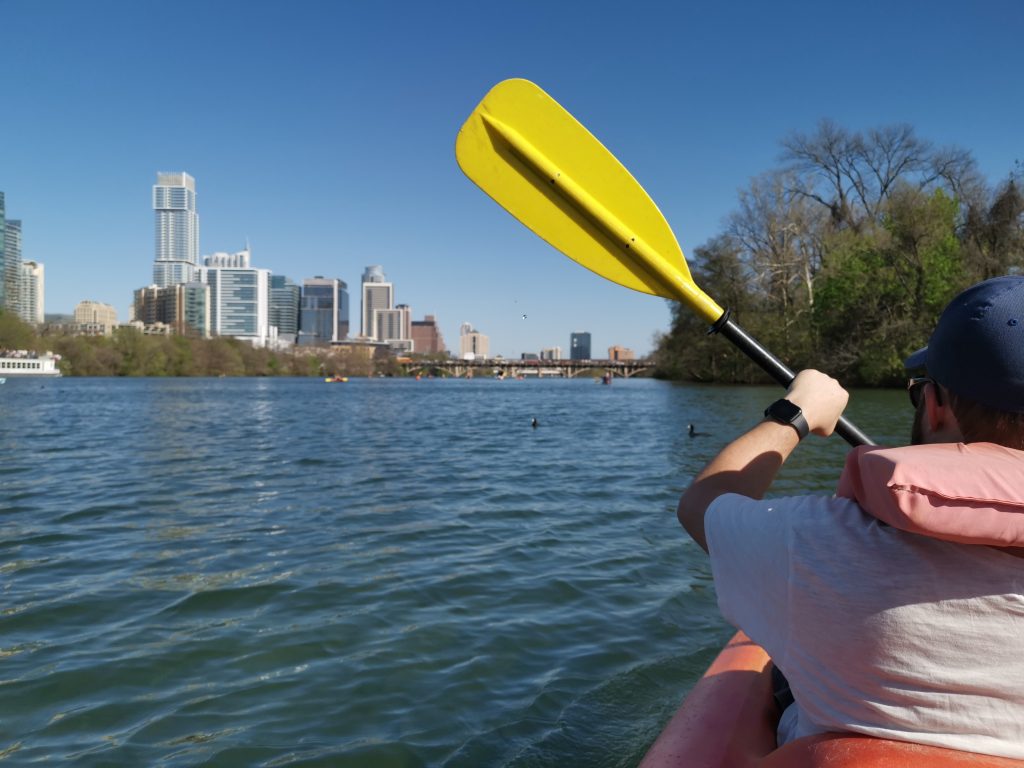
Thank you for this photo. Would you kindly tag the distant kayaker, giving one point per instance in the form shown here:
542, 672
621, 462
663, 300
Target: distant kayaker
895, 608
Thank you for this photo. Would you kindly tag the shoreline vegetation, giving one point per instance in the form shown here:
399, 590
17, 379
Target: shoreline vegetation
127, 352
843, 257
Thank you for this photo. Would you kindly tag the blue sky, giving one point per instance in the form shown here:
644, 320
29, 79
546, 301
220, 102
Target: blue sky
324, 131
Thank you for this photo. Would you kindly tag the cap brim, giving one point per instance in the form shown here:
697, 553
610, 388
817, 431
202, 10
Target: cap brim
918, 359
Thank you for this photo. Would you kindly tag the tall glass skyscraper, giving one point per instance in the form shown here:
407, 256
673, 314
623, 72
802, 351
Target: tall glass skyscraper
3, 254
377, 293
323, 317
579, 346
12, 266
284, 307
177, 229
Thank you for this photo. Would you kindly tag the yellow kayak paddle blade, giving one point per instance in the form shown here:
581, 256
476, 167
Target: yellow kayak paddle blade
542, 166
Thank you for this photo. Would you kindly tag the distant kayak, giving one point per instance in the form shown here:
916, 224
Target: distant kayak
729, 720
336, 379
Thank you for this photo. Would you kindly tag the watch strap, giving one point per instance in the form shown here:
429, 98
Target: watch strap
784, 411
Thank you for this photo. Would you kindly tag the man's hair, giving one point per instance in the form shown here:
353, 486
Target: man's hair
981, 424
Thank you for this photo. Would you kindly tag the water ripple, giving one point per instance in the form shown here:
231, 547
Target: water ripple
390, 573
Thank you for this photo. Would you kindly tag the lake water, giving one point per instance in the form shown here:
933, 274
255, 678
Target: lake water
383, 573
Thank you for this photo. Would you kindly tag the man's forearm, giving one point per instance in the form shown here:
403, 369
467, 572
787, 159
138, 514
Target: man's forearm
747, 466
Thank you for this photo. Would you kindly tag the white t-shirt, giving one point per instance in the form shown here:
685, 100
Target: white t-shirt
878, 631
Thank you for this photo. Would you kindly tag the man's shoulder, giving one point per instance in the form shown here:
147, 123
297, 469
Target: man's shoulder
809, 508
785, 521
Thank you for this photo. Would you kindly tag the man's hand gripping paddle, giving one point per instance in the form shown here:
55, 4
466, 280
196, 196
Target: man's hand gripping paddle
542, 166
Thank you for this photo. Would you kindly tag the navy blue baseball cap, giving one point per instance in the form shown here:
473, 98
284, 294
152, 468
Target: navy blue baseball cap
977, 348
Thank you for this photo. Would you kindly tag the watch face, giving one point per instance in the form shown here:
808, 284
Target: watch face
784, 411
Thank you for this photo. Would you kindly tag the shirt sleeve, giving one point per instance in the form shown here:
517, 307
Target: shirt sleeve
749, 544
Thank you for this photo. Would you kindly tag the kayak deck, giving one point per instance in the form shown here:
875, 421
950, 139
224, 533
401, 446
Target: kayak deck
729, 720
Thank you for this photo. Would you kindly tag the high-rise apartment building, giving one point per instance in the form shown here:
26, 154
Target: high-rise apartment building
426, 336
239, 298
3, 254
377, 294
31, 292
184, 307
12, 266
323, 313
473, 345
579, 345
177, 229
285, 298
551, 353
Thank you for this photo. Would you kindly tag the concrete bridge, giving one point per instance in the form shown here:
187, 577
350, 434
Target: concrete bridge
567, 369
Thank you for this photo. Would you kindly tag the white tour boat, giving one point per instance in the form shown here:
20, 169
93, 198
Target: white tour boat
14, 363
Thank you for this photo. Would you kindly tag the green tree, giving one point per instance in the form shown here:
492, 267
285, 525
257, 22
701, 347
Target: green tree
14, 333
885, 286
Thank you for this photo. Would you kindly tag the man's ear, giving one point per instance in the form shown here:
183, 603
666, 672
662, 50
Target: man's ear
942, 420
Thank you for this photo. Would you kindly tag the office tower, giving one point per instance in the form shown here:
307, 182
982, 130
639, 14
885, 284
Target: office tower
95, 317
393, 324
551, 353
323, 313
621, 354
239, 301
177, 229
473, 345
12, 266
285, 299
31, 292
579, 346
377, 294
426, 336
3, 254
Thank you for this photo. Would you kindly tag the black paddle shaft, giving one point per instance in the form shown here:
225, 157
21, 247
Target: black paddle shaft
778, 370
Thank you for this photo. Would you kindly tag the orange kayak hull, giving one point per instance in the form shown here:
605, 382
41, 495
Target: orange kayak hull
729, 720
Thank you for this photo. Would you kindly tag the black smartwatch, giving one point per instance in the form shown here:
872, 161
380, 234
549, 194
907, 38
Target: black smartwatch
786, 412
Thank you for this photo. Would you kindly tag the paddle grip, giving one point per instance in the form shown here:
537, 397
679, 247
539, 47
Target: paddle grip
778, 370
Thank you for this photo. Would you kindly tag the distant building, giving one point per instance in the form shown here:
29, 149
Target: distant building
285, 299
529, 356
3, 253
376, 294
183, 308
394, 325
621, 354
177, 229
426, 336
12, 265
579, 346
473, 345
95, 317
323, 311
551, 353
31, 290
239, 299
238, 260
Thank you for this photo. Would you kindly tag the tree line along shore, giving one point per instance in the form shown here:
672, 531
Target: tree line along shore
127, 352
843, 257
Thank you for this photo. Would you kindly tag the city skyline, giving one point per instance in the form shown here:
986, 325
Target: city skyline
351, 161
